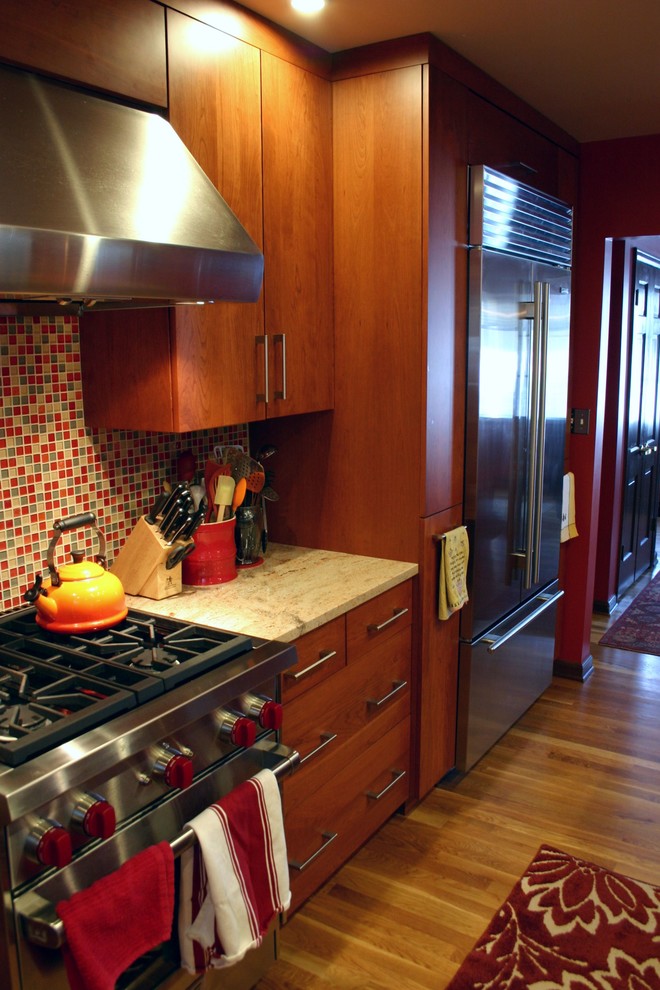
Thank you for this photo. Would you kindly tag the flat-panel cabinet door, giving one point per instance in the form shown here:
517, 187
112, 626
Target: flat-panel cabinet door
218, 352
297, 162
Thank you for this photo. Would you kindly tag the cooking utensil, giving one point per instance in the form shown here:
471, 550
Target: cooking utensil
243, 466
239, 494
81, 596
224, 491
256, 481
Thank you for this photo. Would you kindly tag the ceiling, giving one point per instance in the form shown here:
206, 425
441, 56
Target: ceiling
591, 66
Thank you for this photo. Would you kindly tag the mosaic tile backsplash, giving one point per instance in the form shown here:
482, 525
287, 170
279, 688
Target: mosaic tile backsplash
53, 466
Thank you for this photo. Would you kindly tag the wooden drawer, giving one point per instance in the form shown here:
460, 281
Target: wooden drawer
378, 620
350, 806
321, 653
373, 692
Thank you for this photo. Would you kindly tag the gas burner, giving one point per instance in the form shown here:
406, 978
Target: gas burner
17, 720
67, 683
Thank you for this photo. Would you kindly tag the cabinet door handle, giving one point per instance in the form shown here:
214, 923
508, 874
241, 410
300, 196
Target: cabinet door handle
396, 777
329, 837
289, 676
263, 396
396, 614
396, 687
327, 738
281, 339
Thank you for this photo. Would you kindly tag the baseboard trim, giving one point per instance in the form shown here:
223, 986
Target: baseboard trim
605, 608
574, 671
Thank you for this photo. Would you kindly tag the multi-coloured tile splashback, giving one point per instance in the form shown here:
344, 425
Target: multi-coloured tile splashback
53, 466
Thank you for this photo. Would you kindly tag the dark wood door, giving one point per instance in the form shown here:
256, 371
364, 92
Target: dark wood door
640, 500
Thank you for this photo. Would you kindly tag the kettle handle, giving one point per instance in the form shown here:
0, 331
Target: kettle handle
63, 526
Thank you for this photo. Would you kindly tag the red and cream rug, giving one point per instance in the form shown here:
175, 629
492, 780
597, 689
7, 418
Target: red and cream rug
569, 925
638, 629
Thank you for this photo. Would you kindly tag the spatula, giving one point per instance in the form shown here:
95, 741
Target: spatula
224, 491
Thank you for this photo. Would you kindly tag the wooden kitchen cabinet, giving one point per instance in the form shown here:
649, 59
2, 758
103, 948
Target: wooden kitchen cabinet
116, 46
229, 363
497, 139
298, 289
351, 725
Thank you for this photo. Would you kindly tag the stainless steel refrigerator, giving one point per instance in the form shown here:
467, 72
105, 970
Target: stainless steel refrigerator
518, 336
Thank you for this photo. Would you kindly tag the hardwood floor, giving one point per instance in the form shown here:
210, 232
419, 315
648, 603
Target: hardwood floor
580, 770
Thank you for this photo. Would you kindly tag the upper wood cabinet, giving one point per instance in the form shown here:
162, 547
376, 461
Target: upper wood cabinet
117, 46
297, 149
204, 366
497, 139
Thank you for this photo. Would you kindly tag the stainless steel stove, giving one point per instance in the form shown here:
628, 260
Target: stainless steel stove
109, 742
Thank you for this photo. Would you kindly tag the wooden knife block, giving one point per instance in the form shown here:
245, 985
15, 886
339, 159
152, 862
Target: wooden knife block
140, 564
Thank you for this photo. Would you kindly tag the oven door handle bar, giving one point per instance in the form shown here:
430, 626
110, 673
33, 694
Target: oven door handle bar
42, 926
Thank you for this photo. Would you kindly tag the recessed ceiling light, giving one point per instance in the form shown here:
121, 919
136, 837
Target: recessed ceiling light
308, 6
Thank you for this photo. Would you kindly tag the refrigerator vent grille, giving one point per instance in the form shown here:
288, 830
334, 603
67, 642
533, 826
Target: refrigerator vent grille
506, 215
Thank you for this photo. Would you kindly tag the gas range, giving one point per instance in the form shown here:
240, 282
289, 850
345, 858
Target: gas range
53, 687
109, 742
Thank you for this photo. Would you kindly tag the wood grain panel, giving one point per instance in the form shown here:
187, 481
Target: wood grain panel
215, 107
297, 176
342, 706
435, 691
344, 806
244, 24
371, 624
126, 370
322, 652
117, 46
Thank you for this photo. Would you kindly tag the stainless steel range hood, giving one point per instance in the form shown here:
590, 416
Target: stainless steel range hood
102, 206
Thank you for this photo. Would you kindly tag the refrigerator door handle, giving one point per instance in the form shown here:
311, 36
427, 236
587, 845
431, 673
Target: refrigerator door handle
539, 359
540, 449
497, 642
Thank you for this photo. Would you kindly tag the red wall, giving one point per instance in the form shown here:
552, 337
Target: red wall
619, 197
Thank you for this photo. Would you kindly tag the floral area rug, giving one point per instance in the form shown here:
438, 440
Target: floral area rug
569, 925
638, 628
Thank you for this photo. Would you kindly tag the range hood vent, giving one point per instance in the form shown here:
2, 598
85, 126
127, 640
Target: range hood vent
103, 207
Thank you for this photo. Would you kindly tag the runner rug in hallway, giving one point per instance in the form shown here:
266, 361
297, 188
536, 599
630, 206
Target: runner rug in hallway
638, 629
569, 925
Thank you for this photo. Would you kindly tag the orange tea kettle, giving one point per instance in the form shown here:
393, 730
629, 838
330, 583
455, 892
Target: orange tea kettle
81, 596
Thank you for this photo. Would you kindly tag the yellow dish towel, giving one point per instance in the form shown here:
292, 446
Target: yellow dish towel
568, 527
454, 553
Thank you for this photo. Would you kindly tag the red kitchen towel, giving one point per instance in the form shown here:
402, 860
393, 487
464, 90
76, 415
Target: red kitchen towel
236, 877
118, 918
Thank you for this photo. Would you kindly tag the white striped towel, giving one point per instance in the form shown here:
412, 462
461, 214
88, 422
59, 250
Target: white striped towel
235, 879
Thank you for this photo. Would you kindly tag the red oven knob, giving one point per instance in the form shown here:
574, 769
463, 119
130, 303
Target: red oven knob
175, 768
179, 772
49, 844
265, 711
94, 816
238, 729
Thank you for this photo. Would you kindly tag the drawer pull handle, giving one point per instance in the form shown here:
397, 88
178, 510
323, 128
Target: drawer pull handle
329, 837
396, 687
327, 738
396, 777
308, 670
396, 614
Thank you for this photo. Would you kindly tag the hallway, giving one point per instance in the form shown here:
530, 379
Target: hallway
580, 770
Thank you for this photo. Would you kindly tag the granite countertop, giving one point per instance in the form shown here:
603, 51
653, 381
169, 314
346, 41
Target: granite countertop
294, 591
